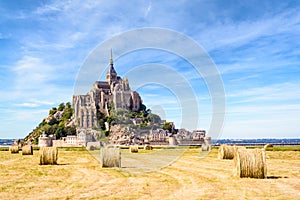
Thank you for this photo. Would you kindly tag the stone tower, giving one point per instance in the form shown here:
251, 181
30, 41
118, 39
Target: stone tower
115, 92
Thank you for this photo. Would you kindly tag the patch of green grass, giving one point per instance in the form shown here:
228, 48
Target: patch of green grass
36, 148
277, 148
170, 147
4, 148
72, 149
194, 147
284, 148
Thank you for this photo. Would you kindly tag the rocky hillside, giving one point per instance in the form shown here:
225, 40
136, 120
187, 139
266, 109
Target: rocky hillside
57, 123
60, 122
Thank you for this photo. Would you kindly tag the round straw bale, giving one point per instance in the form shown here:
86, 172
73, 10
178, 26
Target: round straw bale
206, 147
110, 157
250, 163
268, 146
134, 149
235, 148
92, 148
14, 149
148, 147
48, 155
226, 152
27, 150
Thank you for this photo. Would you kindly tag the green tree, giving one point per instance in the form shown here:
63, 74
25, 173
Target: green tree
167, 126
45, 128
53, 121
60, 132
68, 113
70, 130
143, 107
154, 118
61, 107
111, 120
53, 111
68, 105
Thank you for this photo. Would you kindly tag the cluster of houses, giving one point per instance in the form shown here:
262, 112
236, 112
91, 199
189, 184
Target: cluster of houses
123, 136
127, 136
81, 139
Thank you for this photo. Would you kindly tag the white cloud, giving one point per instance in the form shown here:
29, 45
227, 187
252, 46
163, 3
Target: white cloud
148, 9
11, 117
41, 102
49, 8
284, 92
32, 73
30, 105
234, 34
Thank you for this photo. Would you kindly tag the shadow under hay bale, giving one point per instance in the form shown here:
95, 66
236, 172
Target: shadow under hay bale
14, 149
48, 155
27, 150
250, 163
148, 147
134, 149
110, 157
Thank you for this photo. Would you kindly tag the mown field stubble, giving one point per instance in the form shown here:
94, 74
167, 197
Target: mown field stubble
78, 175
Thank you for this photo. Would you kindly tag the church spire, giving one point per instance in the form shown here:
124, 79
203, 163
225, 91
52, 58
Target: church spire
111, 57
111, 74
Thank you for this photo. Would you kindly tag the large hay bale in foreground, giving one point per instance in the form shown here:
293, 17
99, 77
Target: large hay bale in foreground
226, 152
48, 155
27, 150
110, 157
148, 147
250, 163
14, 149
268, 146
134, 149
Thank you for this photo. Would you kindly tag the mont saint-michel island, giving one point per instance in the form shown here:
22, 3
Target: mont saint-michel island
158, 100
110, 114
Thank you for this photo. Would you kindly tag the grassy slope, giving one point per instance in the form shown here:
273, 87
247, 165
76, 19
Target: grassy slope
78, 175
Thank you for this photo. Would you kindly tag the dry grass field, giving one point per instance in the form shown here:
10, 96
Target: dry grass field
78, 176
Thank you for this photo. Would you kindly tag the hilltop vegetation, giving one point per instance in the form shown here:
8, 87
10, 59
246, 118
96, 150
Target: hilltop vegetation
57, 123
134, 120
144, 117
60, 122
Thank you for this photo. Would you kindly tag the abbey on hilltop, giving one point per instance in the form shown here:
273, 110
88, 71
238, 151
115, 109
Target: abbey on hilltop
114, 91
110, 110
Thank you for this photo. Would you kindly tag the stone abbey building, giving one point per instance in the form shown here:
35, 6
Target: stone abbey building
114, 91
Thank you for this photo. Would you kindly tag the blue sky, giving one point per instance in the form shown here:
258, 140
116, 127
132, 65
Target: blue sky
254, 44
